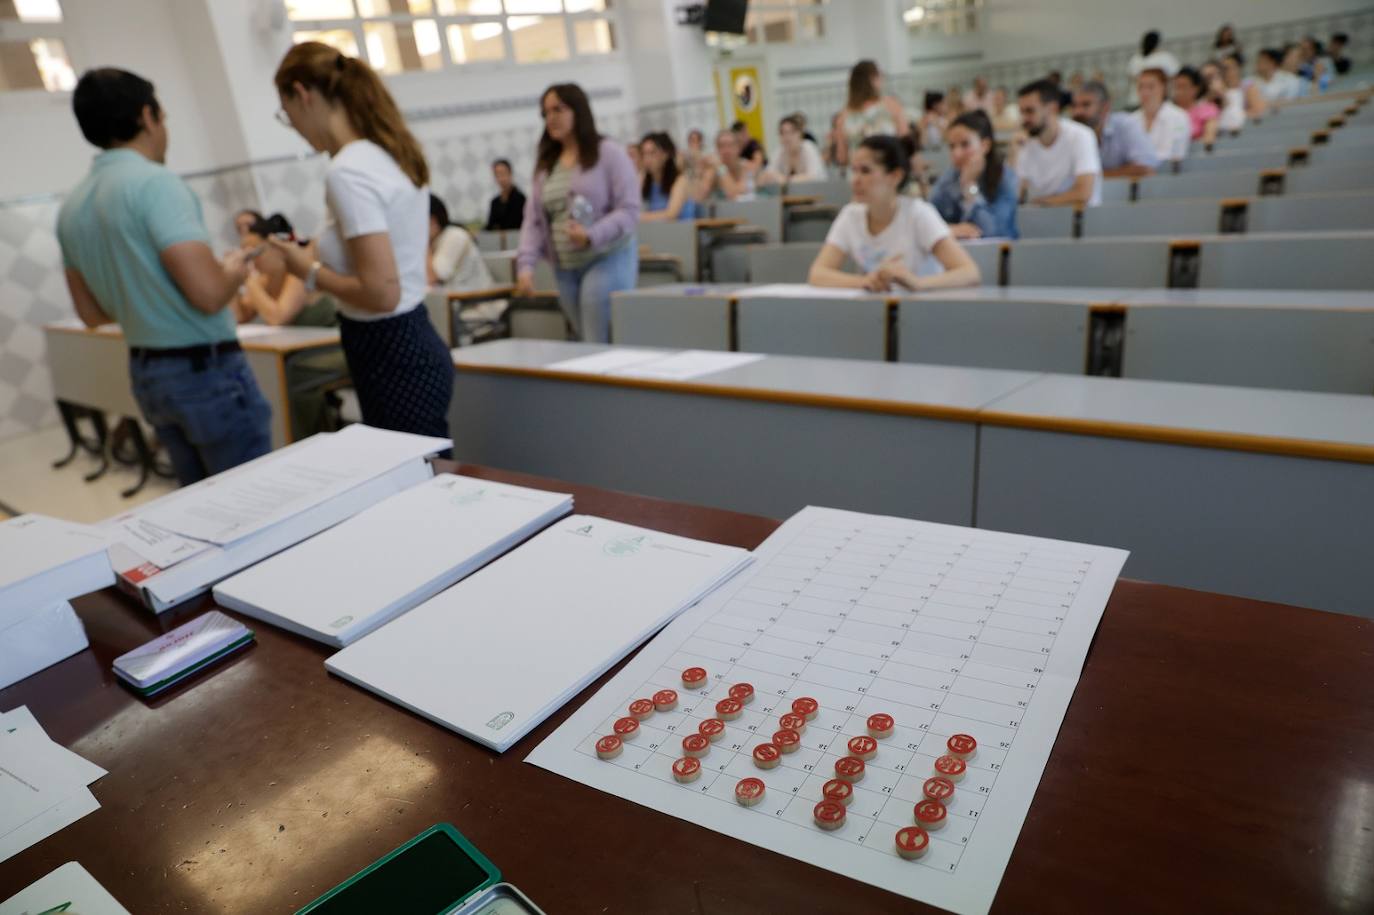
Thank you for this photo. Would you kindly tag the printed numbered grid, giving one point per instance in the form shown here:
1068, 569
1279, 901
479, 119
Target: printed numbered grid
946, 631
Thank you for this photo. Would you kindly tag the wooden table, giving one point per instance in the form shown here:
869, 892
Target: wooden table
1218, 755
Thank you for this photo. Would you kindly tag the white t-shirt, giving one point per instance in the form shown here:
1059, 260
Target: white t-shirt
1049, 170
808, 167
914, 232
366, 193
1233, 113
1170, 134
1281, 86
458, 265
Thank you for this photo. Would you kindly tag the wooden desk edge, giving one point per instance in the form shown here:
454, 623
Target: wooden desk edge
867, 405
1170, 435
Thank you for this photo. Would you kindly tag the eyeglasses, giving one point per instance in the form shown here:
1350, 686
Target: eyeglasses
282, 117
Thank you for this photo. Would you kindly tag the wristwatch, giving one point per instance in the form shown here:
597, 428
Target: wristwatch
311, 276
971, 191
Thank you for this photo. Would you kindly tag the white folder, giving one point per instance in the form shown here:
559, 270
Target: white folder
390, 558
502, 650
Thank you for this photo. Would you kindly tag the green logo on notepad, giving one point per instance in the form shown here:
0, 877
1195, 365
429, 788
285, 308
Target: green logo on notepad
341, 622
501, 720
623, 546
467, 498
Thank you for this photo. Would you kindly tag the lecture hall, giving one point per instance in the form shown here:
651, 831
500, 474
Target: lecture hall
493, 457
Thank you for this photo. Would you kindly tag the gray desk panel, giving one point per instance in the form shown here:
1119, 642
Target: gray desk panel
1045, 222
988, 256
1330, 179
1083, 262
1242, 183
1340, 155
1303, 349
676, 238
764, 212
1329, 299
1319, 212
1031, 336
832, 191
1173, 218
1116, 190
1262, 526
668, 317
1317, 260
1289, 136
831, 328
787, 263
745, 455
1222, 160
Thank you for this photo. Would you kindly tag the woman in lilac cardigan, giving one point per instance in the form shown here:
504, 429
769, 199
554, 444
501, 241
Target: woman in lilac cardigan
581, 214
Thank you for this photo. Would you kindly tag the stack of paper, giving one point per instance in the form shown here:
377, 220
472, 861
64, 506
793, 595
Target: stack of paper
502, 650
44, 563
334, 589
174, 656
177, 547
70, 889
42, 784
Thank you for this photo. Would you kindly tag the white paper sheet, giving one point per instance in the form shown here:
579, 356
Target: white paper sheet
42, 783
500, 651
44, 560
686, 365
51, 821
802, 291
605, 361
235, 504
948, 629
162, 548
70, 889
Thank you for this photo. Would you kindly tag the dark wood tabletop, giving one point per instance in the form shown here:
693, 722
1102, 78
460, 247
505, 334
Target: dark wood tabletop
1218, 756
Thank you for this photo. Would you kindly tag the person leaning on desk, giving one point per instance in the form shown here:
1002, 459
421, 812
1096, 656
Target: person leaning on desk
136, 251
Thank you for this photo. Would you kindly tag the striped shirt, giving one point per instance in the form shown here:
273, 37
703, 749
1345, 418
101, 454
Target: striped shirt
557, 196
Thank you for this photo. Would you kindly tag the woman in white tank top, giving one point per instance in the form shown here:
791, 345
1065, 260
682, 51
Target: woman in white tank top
867, 113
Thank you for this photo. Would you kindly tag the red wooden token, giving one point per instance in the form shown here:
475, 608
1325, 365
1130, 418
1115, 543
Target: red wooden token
850, 768
837, 789
829, 814
729, 709
930, 815
951, 767
962, 746
938, 788
712, 729
749, 791
863, 747
807, 707
609, 747
695, 745
787, 740
912, 842
880, 725
686, 769
744, 692
641, 709
767, 756
625, 728
665, 700
793, 722
694, 677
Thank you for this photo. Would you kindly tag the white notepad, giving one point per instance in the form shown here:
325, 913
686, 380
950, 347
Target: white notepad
390, 558
70, 889
44, 561
499, 652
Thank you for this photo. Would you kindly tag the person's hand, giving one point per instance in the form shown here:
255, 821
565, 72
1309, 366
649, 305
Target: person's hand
298, 259
965, 230
235, 266
893, 272
524, 283
875, 281
578, 235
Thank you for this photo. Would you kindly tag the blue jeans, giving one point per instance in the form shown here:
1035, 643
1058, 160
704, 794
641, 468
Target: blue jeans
208, 413
584, 293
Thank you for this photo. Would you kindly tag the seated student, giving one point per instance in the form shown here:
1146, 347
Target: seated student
1275, 83
1166, 124
454, 263
1336, 49
1202, 113
977, 194
507, 210
727, 175
933, 120
1122, 145
1005, 115
1058, 163
1150, 57
887, 234
272, 295
798, 158
1236, 96
665, 191
750, 150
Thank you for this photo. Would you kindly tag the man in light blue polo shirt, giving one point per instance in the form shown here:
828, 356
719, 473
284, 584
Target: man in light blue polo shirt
136, 251
1125, 150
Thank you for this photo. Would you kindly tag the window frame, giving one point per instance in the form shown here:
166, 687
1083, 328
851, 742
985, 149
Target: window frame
795, 9
507, 62
17, 30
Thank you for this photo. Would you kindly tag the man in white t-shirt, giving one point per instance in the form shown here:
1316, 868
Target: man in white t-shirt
1059, 164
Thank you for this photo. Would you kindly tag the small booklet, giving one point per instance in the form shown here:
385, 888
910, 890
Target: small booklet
174, 656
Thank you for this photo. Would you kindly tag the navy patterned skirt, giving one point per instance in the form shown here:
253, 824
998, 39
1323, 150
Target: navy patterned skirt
402, 372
